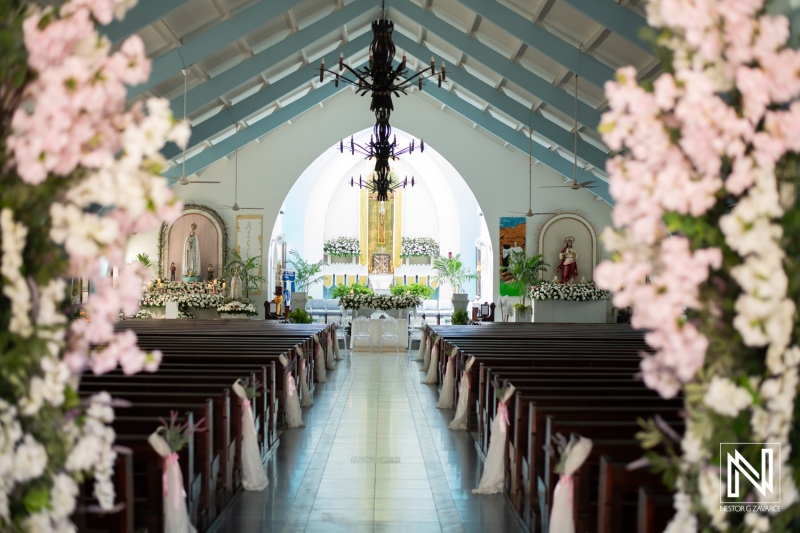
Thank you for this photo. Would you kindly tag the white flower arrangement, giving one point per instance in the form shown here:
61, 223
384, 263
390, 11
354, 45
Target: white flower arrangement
342, 246
419, 247
236, 307
186, 294
577, 292
383, 302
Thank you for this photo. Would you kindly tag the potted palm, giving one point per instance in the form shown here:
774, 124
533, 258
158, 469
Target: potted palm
306, 275
525, 273
451, 271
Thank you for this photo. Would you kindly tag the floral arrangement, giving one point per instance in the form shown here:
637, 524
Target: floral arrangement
576, 292
186, 294
177, 434
235, 307
418, 247
383, 302
67, 145
711, 149
342, 246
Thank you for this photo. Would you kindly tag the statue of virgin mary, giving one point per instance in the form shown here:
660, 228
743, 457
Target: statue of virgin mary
191, 254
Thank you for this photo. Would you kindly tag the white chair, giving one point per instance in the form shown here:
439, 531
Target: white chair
389, 332
360, 330
415, 329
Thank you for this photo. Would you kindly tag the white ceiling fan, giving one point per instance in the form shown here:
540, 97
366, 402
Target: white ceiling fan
183, 180
575, 185
235, 205
530, 212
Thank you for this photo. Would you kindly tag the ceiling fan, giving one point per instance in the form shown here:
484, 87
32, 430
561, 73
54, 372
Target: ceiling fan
235, 205
530, 212
183, 180
575, 185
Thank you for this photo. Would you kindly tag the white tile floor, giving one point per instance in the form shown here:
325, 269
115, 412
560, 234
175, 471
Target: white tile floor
375, 455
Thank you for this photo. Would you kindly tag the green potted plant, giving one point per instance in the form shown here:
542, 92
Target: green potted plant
355, 288
299, 316
416, 289
460, 317
306, 275
525, 273
451, 271
247, 269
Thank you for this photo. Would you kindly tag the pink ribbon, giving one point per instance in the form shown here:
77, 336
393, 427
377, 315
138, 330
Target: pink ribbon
465, 378
565, 483
502, 412
292, 385
172, 459
246, 404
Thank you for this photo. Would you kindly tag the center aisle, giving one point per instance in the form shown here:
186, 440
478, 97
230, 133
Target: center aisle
375, 456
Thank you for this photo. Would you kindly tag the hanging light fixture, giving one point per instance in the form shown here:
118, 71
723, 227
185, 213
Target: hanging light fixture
381, 80
575, 185
183, 180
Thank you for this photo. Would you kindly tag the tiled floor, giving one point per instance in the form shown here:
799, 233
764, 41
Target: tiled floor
375, 456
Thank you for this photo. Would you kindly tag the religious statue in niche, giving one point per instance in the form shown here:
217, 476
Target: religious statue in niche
569, 261
172, 270
210, 270
191, 254
236, 284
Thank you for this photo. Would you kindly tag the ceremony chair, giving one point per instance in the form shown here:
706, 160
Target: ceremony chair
360, 330
389, 332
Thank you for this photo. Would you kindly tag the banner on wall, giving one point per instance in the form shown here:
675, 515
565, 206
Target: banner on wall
287, 277
248, 240
512, 239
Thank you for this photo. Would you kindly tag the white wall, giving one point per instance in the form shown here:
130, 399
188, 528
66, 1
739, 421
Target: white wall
497, 176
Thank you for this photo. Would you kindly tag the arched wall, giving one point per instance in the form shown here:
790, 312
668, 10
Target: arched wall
496, 175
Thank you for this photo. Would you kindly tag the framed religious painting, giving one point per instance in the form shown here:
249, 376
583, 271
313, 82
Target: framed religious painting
249, 231
512, 239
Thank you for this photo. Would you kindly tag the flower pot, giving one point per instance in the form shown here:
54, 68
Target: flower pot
240, 316
460, 301
299, 300
522, 315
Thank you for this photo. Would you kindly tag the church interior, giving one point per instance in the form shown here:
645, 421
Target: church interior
498, 265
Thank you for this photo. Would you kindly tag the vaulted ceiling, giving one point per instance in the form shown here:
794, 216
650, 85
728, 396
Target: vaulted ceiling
511, 66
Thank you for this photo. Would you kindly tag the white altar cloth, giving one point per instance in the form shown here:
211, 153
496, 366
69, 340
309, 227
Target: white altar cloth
593, 312
375, 337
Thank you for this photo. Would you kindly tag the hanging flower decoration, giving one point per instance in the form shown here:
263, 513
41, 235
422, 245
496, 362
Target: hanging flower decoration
706, 245
382, 302
68, 145
576, 292
419, 247
342, 246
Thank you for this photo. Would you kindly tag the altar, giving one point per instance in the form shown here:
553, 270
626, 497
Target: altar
380, 283
591, 312
375, 330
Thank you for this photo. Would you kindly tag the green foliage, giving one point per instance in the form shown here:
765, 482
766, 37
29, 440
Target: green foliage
451, 271
417, 289
460, 317
299, 316
355, 288
248, 271
306, 274
145, 261
177, 434
525, 273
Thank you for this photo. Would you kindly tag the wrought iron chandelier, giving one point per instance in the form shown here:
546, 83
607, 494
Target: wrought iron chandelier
382, 80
